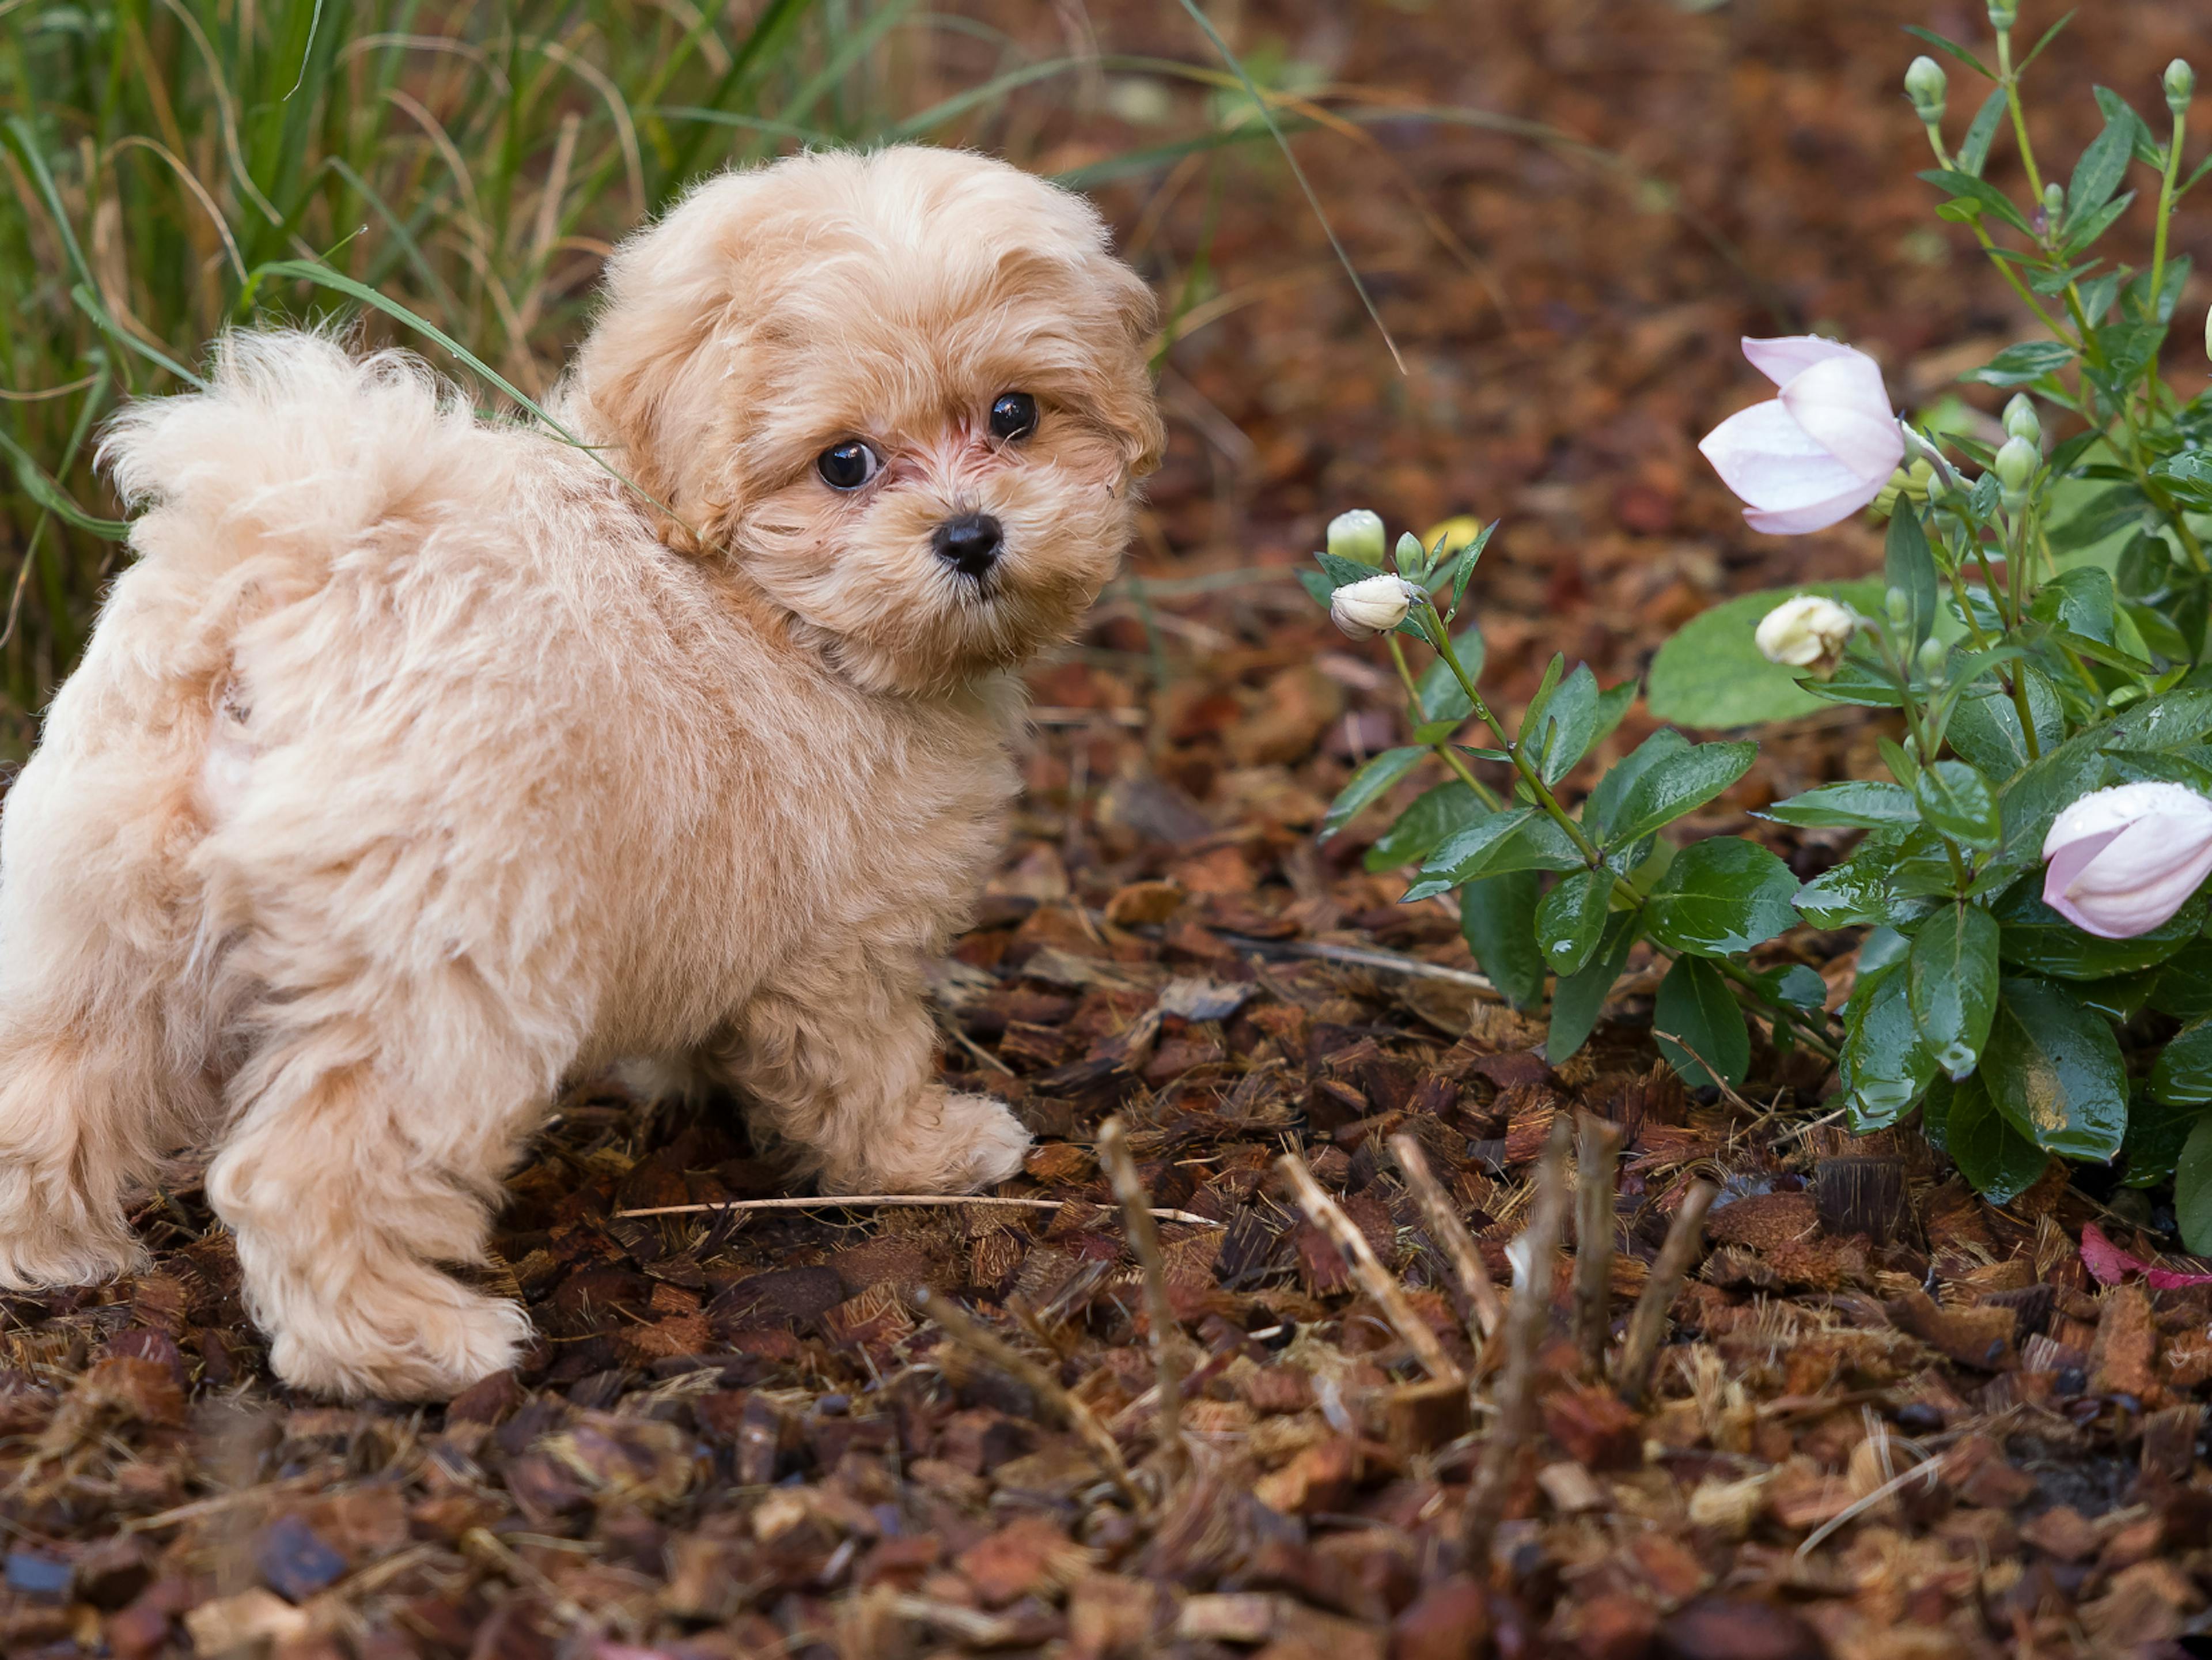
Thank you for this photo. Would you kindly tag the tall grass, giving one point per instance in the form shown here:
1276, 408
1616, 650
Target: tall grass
168, 167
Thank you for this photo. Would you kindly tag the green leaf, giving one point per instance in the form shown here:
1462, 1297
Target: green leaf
1372, 781
2183, 1075
1342, 573
1999, 1161
1561, 732
2192, 1189
1952, 985
2184, 986
1909, 567
1604, 803
1711, 672
1988, 198
1517, 838
1422, 828
1577, 999
1883, 1067
1442, 695
1498, 919
1719, 895
2100, 169
1570, 921
1696, 1005
1679, 784
1857, 803
1974, 147
2036, 938
2016, 366
2054, 1071
1986, 732
2147, 149
2156, 1134
2084, 235
1862, 890
1955, 801
1464, 569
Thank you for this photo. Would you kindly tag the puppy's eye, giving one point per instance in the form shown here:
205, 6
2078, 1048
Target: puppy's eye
848, 465
1014, 415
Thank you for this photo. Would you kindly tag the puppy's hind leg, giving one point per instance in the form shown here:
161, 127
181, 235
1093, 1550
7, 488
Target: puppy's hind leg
103, 1027
839, 1055
371, 1132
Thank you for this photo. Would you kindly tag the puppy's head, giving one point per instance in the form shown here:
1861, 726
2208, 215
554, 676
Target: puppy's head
906, 392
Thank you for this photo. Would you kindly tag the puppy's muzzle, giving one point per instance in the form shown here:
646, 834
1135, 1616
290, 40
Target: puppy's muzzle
970, 544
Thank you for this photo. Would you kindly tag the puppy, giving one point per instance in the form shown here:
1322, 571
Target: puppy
421, 762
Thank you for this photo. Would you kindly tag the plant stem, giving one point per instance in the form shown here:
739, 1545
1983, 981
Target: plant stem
2157, 244
1440, 637
2011, 84
1450, 756
1747, 990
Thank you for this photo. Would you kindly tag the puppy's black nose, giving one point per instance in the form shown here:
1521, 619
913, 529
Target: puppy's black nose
970, 542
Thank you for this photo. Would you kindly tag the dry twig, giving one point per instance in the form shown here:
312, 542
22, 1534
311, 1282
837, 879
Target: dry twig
1647, 1327
962, 1328
1525, 1320
856, 1201
1594, 1183
1145, 1239
1449, 1235
1374, 1279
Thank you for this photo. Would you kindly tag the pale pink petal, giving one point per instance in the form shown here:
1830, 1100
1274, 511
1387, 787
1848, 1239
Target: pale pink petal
1796, 521
2138, 882
2070, 860
1783, 359
1842, 406
1767, 459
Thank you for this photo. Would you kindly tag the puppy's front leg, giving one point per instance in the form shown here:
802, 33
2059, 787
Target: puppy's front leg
839, 1055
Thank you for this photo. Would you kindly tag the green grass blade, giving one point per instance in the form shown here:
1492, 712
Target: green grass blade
1313, 199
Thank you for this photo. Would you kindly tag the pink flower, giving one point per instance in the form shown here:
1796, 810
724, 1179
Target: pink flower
2123, 861
1819, 452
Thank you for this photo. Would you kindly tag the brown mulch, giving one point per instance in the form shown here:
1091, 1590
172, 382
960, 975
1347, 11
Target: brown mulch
1889, 1422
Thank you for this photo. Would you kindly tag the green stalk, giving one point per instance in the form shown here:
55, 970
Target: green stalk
1440, 637
2158, 244
1444, 752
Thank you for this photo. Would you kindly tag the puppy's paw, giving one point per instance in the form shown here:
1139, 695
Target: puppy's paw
450, 1343
990, 1138
38, 1251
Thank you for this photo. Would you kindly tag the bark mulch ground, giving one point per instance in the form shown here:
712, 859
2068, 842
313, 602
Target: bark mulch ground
1885, 1421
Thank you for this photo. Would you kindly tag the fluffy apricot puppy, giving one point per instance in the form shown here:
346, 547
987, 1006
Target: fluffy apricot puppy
418, 763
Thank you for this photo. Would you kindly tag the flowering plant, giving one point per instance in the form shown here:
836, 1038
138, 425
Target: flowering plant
2036, 975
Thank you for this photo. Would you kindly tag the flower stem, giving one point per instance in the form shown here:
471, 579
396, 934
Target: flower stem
1450, 756
1440, 637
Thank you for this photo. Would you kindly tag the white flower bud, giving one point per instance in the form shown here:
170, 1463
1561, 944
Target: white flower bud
1934, 653
1925, 85
2020, 420
2017, 460
2180, 85
2054, 204
2123, 860
1356, 535
1374, 607
1808, 632
2003, 14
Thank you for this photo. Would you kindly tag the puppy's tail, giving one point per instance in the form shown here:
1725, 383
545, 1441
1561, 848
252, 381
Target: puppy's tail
294, 446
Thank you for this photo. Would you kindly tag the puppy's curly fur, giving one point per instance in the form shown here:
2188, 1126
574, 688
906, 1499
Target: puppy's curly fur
417, 764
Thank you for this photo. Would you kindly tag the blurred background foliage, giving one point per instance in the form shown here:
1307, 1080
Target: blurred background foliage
171, 167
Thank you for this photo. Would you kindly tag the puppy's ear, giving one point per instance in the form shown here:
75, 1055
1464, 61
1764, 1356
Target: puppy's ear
652, 375
1127, 404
